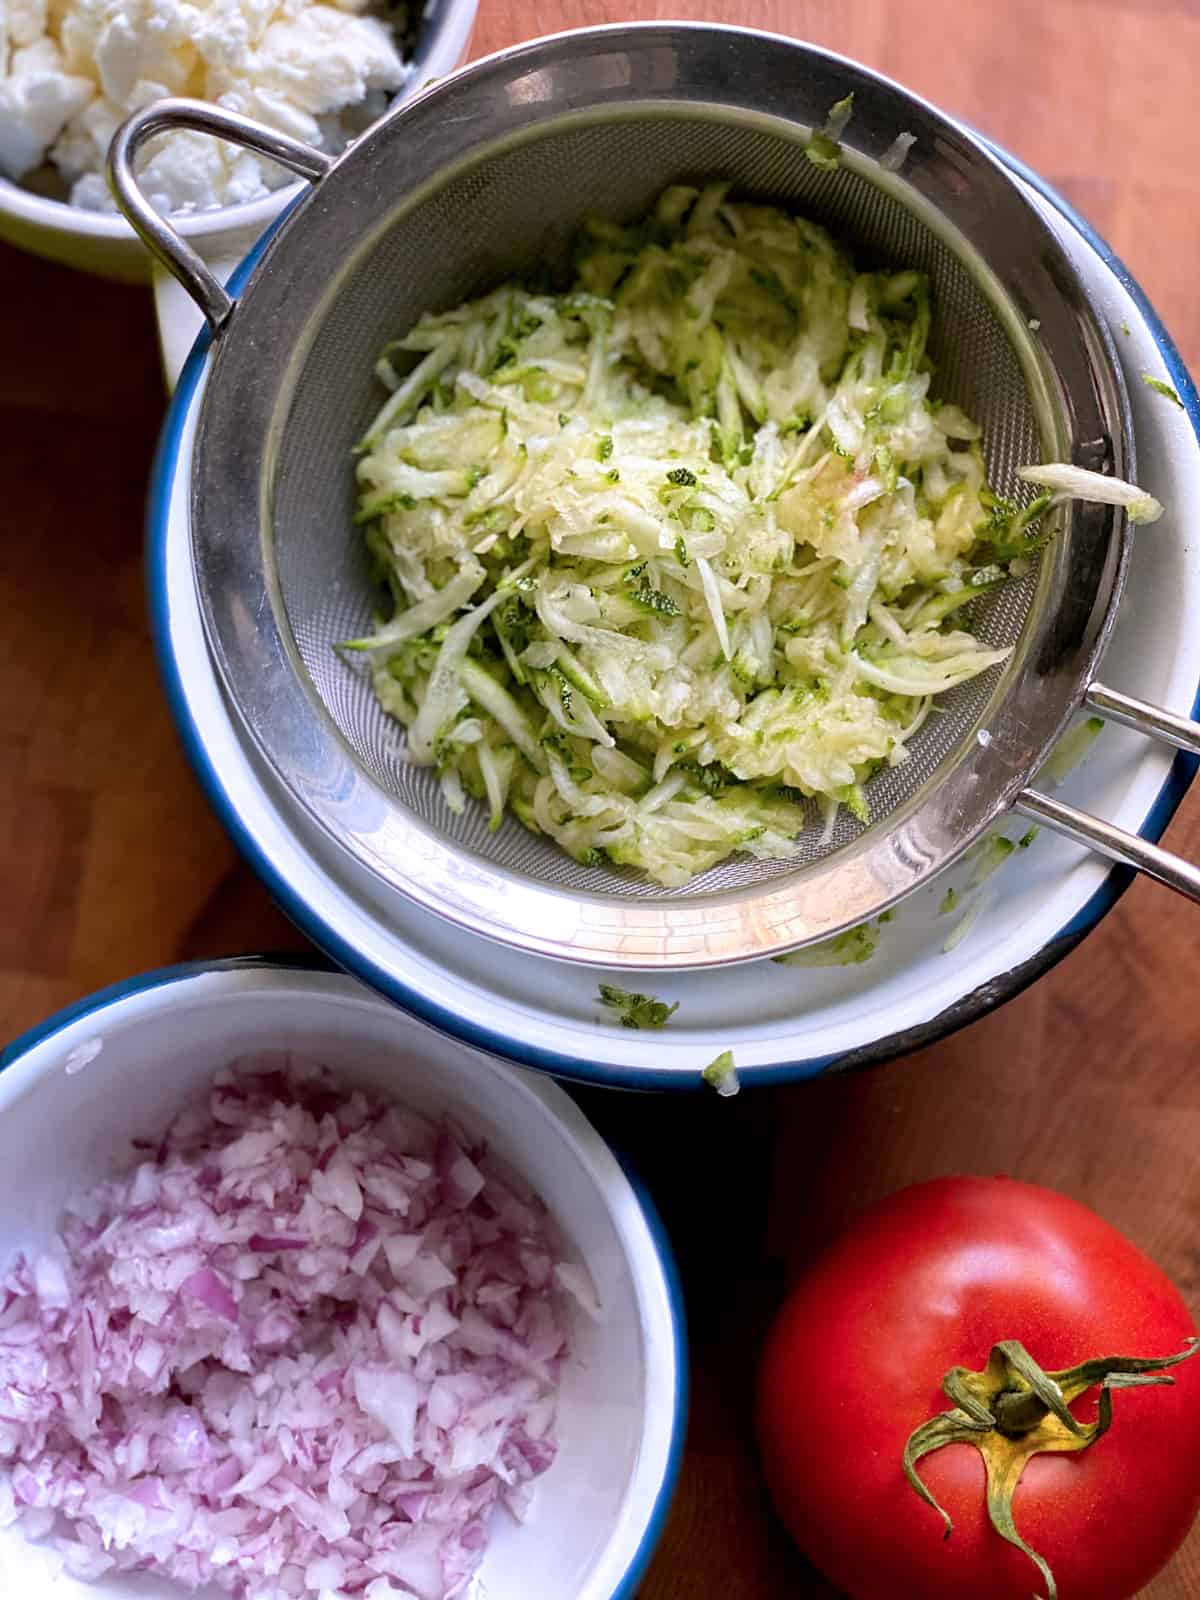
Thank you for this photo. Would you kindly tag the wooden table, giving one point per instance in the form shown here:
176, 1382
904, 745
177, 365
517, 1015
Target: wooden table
110, 861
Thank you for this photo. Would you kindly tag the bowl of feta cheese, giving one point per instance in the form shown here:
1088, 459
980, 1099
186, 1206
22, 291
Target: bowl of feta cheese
72, 70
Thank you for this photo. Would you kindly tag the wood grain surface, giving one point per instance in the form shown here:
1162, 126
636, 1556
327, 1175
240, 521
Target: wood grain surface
110, 861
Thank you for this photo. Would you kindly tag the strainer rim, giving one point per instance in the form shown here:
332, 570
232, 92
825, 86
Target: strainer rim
623, 942
319, 924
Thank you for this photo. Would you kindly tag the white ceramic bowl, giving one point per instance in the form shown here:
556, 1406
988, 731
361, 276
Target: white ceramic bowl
781, 1021
598, 1511
105, 244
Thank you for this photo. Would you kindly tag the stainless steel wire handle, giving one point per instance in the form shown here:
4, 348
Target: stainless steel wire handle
1106, 838
155, 231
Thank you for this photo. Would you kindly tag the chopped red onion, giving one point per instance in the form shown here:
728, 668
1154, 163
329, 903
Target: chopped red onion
304, 1347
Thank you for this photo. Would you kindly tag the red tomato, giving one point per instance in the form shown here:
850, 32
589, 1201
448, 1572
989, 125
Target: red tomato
931, 1279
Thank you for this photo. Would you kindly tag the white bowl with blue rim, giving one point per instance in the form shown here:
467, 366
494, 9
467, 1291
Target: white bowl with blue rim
74, 1091
781, 1021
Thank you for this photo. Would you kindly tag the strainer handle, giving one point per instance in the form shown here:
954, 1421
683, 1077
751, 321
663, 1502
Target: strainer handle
155, 231
1105, 837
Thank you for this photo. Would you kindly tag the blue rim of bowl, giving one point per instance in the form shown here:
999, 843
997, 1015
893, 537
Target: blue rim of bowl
967, 1009
660, 1240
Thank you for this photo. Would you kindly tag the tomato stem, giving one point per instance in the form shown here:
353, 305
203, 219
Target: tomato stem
1014, 1410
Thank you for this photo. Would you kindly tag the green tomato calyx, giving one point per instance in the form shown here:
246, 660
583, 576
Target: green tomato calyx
1012, 1411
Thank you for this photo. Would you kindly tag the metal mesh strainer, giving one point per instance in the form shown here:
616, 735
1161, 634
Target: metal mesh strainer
322, 579
489, 176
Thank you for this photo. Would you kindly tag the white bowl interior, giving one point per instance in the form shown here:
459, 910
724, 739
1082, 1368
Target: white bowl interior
62, 1126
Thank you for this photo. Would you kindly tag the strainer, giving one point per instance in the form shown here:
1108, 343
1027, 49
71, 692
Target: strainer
489, 174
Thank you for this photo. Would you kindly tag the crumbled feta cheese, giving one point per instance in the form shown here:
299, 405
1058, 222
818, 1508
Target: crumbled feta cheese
89, 192
139, 44
26, 21
72, 70
86, 137
36, 98
77, 30
183, 170
324, 59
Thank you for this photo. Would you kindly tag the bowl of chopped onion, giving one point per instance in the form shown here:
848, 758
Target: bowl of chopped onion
300, 1299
